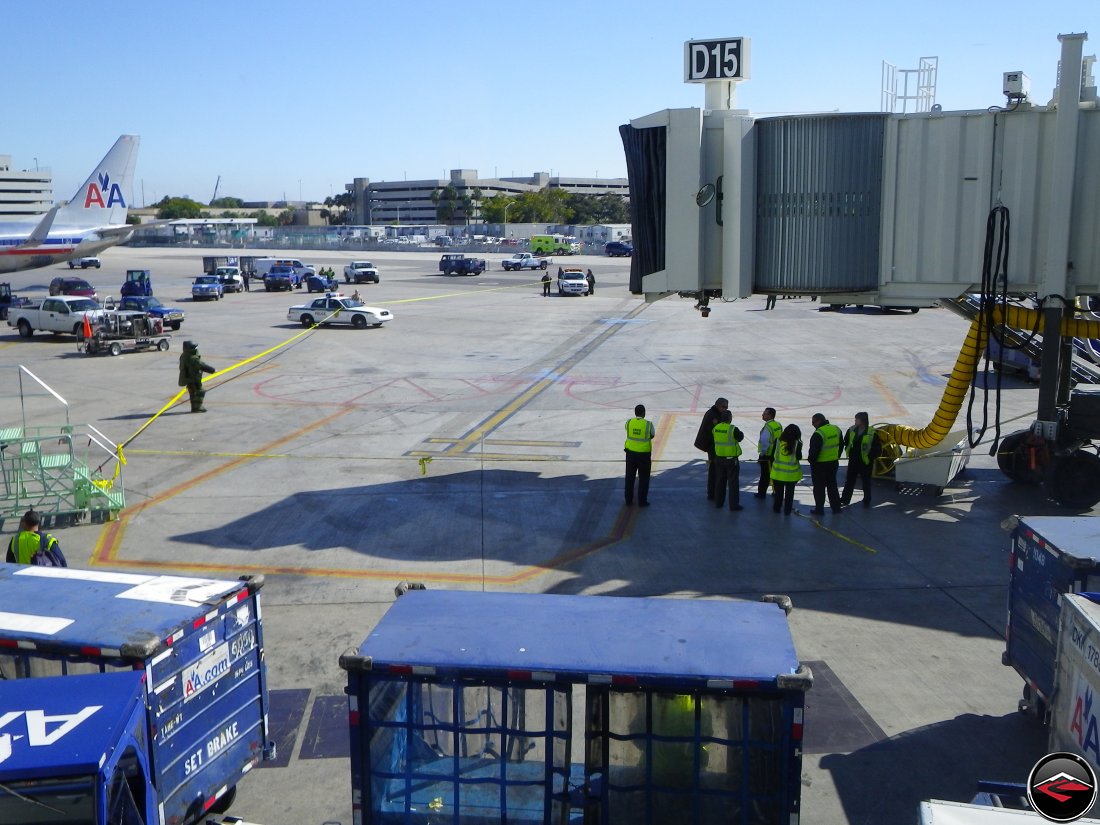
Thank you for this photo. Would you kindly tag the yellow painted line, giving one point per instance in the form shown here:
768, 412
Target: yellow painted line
204, 454
468, 293
897, 410
505, 442
486, 456
840, 536
107, 547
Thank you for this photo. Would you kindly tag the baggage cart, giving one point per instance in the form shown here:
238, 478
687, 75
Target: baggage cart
172, 666
461, 710
1050, 556
122, 330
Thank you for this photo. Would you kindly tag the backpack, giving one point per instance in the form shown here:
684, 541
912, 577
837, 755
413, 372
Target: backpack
49, 552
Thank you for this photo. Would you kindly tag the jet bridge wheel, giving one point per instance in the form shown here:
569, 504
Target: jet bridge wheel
1023, 457
1074, 480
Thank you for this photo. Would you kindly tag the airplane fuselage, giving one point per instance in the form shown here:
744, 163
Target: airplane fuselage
56, 249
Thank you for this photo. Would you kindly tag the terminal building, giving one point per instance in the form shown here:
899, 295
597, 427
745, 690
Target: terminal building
24, 192
410, 201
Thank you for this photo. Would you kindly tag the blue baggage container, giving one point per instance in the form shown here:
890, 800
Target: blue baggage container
462, 711
1049, 556
198, 643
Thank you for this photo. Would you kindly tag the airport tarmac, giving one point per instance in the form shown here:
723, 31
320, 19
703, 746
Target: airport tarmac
476, 441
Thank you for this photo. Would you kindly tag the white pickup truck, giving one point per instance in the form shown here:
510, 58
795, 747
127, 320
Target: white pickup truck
524, 260
56, 314
360, 272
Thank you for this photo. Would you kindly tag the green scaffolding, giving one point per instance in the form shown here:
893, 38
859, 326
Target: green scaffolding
65, 472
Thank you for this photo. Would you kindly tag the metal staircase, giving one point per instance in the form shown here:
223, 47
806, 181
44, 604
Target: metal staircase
1083, 370
48, 469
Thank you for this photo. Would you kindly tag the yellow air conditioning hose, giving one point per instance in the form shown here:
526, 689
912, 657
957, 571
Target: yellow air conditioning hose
966, 366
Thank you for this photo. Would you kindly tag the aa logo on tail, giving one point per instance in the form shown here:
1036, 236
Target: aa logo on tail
94, 196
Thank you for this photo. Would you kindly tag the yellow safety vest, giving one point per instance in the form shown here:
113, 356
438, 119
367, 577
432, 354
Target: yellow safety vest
830, 442
776, 430
23, 546
725, 445
785, 465
864, 445
639, 435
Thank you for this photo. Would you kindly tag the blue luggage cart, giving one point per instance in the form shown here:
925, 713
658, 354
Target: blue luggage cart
1050, 556
463, 705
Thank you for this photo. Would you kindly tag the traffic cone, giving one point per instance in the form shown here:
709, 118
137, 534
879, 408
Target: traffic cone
87, 326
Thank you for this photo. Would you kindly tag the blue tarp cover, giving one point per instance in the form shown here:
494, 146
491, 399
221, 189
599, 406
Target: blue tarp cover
618, 636
70, 607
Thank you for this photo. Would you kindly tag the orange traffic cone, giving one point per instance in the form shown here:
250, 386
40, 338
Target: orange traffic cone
87, 326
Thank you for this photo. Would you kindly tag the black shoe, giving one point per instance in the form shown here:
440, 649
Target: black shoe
643, 503
759, 495
736, 507
816, 512
837, 511
710, 497
775, 509
630, 504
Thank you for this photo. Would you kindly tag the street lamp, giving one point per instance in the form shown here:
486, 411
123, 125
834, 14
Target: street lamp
510, 203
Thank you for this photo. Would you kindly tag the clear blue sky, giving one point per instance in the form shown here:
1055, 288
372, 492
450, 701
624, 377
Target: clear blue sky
281, 98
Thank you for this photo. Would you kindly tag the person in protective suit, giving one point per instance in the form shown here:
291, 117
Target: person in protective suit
191, 369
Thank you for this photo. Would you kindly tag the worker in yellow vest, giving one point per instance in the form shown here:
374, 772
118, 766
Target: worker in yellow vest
786, 468
765, 448
861, 444
727, 454
826, 445
639, 450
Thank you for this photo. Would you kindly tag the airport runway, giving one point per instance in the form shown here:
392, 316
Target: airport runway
476, 441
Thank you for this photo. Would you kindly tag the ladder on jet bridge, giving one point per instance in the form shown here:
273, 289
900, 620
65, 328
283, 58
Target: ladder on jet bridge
1083, 371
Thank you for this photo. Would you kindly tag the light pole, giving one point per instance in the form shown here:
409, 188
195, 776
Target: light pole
403, 203
510, 203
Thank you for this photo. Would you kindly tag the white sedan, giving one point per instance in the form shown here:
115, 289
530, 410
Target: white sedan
339, 309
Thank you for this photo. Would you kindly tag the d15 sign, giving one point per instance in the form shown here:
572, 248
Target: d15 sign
726, 59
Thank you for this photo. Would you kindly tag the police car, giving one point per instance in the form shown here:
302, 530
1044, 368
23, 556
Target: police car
338, 309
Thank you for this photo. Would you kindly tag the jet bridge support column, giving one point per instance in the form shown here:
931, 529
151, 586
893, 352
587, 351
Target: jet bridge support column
1072, 475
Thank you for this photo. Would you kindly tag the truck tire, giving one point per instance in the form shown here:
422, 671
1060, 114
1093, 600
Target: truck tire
115, 348
542, 265
347, 278
25, 328
175, 325
358, 322
307, 320
163, 345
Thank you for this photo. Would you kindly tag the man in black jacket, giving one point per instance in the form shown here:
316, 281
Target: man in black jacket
863, 448
704, 441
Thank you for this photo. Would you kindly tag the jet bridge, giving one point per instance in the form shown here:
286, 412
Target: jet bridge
895, 210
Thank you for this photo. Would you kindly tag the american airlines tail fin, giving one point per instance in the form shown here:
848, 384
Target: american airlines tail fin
102, 200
